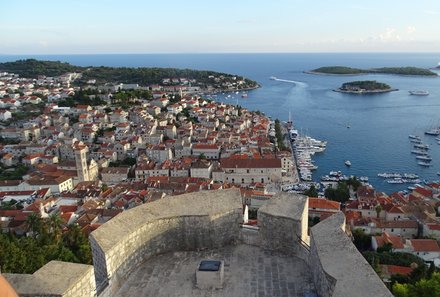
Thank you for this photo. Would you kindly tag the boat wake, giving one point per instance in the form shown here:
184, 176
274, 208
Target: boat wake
298, 83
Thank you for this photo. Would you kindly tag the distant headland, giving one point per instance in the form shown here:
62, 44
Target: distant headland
365, 87
342, 70
207, 81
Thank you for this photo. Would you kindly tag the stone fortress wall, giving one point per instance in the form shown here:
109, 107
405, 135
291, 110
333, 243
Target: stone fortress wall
338, 269
206, 220
188, 222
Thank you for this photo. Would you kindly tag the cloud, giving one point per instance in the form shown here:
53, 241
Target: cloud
410, 29
390, 34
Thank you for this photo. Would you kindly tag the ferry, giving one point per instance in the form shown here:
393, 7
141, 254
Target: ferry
419, 93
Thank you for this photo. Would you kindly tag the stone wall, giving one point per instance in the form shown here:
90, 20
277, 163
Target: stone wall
338, 269
188, 222
283, 222
55, 279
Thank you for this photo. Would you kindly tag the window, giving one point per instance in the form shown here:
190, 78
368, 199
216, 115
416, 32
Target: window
247, 171
242, 180
262, 180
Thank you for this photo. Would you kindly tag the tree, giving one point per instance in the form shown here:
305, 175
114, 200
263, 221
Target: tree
361, 240
378, 209
311, 192
55, 224
422, 288
34, 224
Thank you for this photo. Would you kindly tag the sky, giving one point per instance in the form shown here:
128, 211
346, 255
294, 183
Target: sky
213, 26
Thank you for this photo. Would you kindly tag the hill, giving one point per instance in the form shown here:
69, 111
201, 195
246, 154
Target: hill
32, 68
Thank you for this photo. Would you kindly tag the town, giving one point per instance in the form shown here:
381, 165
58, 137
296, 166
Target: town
88, 152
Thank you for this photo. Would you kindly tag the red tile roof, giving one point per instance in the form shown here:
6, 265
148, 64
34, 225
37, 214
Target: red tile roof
323, 203
425, 245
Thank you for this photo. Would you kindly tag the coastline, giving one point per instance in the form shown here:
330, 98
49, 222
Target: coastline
339, 90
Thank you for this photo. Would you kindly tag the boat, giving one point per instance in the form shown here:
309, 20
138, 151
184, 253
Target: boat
419, 152
424, 158
421, 146
414, 137
425, 164
419, 93
273, 78
438, 173
244, 95
347, 163
433, 131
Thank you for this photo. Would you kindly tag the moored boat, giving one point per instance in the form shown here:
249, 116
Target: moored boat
424, 164
433, 131
424, 158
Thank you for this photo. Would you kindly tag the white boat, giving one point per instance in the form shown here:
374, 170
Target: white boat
419, 152
273, 77
421, 146
347, 163
433, 131
424, 158
419, 93
414, 137
425, 164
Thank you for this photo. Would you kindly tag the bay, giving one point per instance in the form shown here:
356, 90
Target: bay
377, 140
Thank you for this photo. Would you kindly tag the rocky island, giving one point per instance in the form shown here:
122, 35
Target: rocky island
365, 87
342, 70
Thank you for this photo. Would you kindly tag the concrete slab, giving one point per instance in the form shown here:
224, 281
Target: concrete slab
248, 271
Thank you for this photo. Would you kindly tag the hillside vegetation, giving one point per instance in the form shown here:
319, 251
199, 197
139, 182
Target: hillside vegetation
342, 70
32, 68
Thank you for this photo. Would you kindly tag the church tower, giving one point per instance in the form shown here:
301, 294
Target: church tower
81, 163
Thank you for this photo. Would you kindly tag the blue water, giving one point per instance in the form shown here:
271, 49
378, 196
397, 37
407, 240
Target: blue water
378, 138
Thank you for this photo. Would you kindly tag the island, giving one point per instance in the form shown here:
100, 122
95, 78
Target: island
342, 70
203, 80
365, 87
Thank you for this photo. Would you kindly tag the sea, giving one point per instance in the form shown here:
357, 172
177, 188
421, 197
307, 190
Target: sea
377, 138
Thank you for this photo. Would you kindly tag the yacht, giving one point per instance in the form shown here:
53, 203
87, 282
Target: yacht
419, 93
419, 152
421, 146
347, 163
425, 158
433, 131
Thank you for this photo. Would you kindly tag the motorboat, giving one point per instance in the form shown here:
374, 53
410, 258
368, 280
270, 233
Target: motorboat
419, 93
425, 158
347, 163
424, 164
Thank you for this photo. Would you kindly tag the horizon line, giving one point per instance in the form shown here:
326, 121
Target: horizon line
225, 53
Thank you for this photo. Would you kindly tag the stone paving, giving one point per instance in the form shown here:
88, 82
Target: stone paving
249, 271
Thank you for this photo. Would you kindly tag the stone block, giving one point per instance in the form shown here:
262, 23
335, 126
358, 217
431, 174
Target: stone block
210, 274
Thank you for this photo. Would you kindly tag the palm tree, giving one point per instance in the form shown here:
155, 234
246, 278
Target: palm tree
55, 224
34, 224
378, 210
